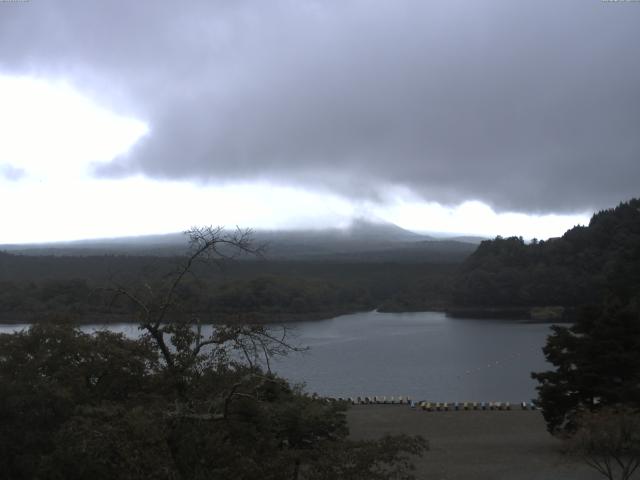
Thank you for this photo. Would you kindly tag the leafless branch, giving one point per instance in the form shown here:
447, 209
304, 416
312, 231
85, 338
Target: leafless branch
154, 303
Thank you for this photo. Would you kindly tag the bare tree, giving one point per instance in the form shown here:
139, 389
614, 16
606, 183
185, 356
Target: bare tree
608, 440
178, 336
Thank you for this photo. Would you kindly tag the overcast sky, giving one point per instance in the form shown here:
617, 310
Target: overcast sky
479, 116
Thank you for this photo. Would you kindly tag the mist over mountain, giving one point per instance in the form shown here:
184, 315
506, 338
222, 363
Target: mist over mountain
362, 240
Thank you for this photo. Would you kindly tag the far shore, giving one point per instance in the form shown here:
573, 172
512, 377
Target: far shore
529, 314
215, 318
492, 313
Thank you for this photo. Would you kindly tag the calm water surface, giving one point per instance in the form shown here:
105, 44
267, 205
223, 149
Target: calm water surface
425, 355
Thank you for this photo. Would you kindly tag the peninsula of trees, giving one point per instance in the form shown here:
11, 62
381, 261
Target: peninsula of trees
511, 277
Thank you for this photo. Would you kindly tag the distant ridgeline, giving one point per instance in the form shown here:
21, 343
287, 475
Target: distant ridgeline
303, 274
547, 280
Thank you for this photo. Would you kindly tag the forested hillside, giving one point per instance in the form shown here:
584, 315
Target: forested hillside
33, 286
579, 268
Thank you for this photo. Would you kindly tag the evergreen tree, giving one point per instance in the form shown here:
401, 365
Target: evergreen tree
597, 364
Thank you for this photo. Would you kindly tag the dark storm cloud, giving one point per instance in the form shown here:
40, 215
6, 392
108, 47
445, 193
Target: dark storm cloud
531, 106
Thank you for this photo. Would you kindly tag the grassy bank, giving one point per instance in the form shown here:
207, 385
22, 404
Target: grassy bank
474, 445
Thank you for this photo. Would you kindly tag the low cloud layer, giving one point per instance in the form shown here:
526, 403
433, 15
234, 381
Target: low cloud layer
527, 106
11, 173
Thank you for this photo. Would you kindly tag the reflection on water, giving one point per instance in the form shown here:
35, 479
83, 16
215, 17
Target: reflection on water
425, 355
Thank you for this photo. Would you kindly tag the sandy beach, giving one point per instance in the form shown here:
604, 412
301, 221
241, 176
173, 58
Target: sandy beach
478, 445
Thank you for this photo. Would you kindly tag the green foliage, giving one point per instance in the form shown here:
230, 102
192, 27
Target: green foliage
579, 268
262, 291
76, 406
106, 442
270, 294
47, 372
597, 364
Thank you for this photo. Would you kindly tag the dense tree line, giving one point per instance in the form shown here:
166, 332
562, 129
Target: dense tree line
575, 269
264, 290
264, 295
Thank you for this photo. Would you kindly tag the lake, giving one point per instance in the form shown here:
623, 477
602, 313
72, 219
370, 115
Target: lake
425, 355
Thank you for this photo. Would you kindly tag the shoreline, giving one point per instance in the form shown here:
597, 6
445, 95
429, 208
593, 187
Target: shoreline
261, 318
527, 314
125, 318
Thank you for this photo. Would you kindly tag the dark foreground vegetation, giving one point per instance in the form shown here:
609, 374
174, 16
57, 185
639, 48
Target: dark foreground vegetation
78, 406
173, 404
597, 364
592, 396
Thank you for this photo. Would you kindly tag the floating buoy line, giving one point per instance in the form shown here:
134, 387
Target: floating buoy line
446, 406
434, 406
